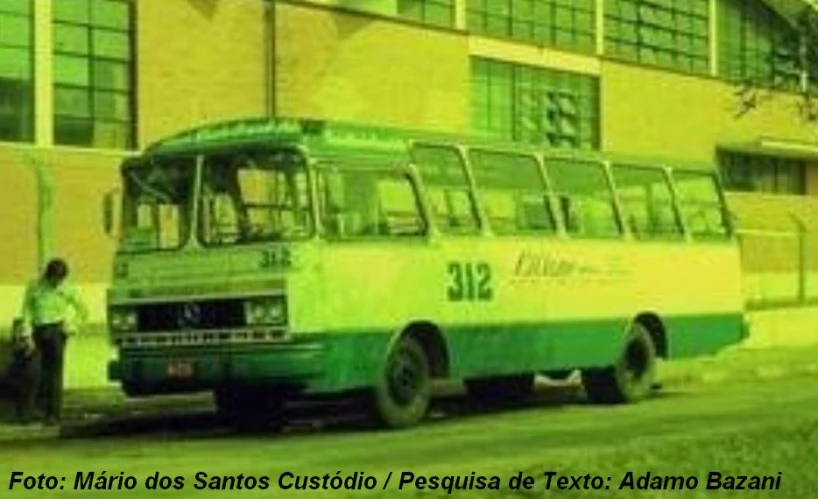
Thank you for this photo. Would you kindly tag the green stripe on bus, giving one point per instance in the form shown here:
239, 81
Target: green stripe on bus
342, 360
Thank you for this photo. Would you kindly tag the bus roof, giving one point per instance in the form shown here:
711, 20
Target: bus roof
335, 138
310, 133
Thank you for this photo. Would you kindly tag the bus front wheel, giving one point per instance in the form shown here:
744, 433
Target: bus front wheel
631, 378
403, 389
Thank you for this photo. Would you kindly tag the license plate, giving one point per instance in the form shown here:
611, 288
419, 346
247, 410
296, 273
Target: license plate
180, 369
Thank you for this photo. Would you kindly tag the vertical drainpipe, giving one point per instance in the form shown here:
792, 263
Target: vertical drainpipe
44, 127
270, 57
44, 186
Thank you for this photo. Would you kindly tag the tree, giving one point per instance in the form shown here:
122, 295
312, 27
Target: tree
794, 67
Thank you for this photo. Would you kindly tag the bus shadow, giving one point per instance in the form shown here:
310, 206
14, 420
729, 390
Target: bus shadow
195, 418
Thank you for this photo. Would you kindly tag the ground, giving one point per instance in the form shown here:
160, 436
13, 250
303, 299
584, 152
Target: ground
762, 425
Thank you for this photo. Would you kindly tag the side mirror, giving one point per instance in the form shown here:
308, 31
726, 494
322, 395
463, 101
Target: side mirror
108, 212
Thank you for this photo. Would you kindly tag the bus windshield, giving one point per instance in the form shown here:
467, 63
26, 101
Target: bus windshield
251, 197
156, 204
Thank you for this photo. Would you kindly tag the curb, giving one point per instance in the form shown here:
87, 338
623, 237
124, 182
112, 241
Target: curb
712, 374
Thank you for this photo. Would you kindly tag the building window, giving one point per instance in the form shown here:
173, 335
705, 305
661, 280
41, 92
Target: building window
93, 73
667, 33
767, 174
434, 12
536, 105
16, 71
568, 24
756, 45
431, 12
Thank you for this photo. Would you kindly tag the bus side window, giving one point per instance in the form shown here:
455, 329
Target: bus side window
351, 204
646, 201
399, 207
512, 191
448, 191
337, 220
368, 203
701, 205
585, 197
569, 214
453, 209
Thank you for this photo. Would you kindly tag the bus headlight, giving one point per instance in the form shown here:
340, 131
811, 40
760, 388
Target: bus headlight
270, 310
122, 320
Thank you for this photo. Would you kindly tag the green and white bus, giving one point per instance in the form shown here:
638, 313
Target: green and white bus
269, 259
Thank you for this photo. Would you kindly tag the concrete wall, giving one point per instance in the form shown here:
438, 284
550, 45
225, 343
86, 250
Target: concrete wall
198, 61
18, 242
662, 113
349, 67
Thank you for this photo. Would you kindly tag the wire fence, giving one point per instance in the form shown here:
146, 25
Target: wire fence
779, 238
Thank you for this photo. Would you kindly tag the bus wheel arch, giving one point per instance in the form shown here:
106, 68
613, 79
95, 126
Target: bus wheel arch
658, 332
430, 337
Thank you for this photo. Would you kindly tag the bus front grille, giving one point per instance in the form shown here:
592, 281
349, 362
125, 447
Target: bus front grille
200, 315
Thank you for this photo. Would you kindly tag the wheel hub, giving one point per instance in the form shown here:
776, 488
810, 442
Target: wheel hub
404, 378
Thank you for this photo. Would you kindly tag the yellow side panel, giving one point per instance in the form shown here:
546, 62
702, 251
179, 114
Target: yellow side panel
361, 68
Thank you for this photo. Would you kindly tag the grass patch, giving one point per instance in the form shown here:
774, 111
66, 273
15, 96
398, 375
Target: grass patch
791, 450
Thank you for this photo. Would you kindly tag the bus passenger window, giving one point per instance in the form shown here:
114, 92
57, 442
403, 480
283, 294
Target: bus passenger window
585, 197
701, 205
400, 211
368, 203
513, 193
569, 215
453, 209
646, 201
448, 191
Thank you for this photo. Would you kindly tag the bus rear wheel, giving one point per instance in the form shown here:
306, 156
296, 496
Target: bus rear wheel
631, 378
249, 408
501, 389
402, 391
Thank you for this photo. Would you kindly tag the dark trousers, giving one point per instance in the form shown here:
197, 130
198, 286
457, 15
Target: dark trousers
50, 342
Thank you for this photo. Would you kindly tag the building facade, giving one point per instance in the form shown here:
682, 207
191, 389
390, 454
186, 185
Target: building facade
84, 83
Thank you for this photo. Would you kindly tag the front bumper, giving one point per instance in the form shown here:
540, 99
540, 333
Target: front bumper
193, 369
316, 363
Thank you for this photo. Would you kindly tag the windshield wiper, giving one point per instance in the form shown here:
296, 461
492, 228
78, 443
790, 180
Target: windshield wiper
162, 196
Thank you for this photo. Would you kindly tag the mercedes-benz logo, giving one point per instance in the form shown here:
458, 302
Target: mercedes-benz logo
189, 315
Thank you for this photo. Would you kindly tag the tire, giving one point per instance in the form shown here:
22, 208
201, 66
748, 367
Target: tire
402, 391
632, 377
501, 389
249, 408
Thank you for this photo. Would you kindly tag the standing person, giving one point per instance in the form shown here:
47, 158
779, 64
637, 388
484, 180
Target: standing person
52, 309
